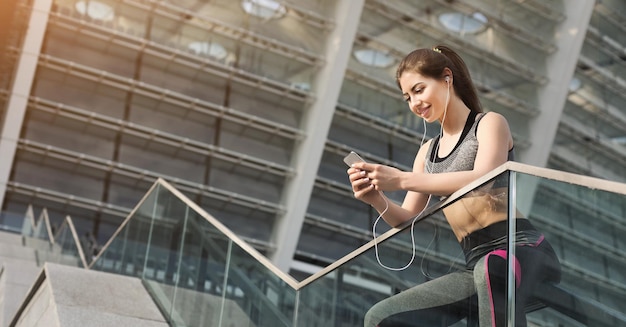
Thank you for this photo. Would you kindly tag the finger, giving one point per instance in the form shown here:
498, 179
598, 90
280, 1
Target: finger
360, 183
360, 193
357, 175
353, 170
360, 165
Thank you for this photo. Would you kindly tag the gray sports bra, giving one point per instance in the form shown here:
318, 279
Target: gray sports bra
463, 155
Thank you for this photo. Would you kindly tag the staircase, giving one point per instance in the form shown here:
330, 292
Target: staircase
44, 284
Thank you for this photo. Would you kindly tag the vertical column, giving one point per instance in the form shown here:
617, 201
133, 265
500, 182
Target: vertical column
560, 69
20, 91
316, 124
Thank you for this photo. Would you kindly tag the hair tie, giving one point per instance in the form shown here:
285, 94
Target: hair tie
437, 50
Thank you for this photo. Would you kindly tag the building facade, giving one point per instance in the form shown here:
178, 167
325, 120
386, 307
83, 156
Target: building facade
249, 106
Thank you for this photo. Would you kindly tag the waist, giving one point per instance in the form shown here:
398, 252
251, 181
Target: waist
494, 232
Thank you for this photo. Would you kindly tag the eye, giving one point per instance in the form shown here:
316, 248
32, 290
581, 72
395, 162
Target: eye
417, 89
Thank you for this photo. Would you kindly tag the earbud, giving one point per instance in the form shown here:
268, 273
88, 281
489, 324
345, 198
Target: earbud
447, 79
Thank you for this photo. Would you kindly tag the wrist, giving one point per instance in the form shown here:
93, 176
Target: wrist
380, 203
406, 181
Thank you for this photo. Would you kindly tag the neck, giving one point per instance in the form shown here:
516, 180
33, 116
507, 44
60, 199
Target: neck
455, 117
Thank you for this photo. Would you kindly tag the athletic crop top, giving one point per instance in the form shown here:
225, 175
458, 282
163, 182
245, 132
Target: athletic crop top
463, 155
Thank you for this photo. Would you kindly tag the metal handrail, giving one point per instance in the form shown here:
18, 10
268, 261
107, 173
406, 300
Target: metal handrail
546, 173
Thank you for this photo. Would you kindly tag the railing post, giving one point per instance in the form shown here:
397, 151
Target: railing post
147, 252
296, 308
225, 284
511, 249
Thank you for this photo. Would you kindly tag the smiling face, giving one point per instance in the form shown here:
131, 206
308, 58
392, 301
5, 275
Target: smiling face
425, 96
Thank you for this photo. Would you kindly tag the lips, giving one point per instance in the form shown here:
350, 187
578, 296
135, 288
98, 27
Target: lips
423, 111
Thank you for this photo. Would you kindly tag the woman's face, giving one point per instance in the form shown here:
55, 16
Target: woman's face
425, 96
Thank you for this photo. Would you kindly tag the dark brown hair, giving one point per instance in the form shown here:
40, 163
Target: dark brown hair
432, 62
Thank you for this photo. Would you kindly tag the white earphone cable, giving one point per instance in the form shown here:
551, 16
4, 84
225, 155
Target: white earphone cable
414, 219
412, 235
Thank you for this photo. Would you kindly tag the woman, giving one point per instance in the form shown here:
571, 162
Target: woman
437, 86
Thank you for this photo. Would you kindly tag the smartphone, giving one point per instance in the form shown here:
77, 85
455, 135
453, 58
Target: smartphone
351, 158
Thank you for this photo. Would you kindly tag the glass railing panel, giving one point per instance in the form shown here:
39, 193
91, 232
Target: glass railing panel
42, 228
396, 276
36, 234
11, 221
28, 223
68, 249
198, 275
591, 291
192, 292
217, 283
342, 297
64, 249
265, 298
584, 227
125, 253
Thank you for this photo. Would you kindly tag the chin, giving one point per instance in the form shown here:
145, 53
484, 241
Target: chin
429, 119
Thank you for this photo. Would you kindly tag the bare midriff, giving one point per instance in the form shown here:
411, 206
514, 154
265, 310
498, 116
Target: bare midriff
475, 211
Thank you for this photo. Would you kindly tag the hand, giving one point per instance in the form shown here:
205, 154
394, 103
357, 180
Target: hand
361, 186
383, 178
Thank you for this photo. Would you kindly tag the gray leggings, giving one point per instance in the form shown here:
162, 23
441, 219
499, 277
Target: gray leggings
442, 295
478, 294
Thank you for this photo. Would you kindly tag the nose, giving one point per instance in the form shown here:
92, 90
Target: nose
415, 103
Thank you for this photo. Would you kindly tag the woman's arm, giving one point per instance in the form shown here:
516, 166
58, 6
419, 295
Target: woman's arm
494, 139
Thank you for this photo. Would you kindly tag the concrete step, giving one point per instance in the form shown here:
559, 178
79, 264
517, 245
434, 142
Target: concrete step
66, 296
10, 238
16, 278
19, 267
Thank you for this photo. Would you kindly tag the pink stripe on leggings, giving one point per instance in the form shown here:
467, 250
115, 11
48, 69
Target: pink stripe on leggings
516, 274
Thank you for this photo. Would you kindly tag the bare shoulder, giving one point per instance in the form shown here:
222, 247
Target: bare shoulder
493, 122
493, 117
494, 126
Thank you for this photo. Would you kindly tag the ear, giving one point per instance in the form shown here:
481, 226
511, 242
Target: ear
448, 77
